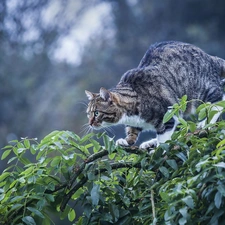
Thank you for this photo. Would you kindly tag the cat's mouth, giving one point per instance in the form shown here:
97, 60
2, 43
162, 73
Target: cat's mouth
99, 126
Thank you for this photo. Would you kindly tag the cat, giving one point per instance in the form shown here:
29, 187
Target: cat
168, 71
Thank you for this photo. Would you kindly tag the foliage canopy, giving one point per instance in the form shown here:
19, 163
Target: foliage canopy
182, 182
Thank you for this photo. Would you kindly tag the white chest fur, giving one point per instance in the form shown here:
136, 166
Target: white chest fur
135, 121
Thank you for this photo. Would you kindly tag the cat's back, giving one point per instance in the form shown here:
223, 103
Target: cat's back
172, 69
176, 60
170, 52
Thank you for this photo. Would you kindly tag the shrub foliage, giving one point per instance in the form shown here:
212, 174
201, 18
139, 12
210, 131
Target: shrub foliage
182, 182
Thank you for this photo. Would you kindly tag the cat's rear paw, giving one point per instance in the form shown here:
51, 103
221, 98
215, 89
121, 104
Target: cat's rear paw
122, 142
149, 144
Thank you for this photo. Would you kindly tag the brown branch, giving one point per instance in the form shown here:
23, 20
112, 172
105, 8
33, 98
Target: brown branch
85, 179
92, 158
153, 205
79, 169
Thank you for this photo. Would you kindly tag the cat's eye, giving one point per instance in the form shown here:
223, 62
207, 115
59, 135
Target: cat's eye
96, 113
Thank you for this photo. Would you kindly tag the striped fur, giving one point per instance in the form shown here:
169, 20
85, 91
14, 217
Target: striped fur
168, 71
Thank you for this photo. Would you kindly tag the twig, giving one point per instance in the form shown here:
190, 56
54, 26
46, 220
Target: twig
85, 179
80, 169
72, 191
153, 206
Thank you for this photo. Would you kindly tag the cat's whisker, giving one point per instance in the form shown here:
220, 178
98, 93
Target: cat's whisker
110, 130
85, 125
86, 129
84, 105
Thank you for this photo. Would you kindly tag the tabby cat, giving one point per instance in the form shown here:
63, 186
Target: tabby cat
168, 71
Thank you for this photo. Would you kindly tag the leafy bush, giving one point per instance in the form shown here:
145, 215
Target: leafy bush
183, 182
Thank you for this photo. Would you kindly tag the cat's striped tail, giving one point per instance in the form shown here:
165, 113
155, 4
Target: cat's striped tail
222, 65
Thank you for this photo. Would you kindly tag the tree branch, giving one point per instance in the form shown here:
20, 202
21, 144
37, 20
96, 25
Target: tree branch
92, 158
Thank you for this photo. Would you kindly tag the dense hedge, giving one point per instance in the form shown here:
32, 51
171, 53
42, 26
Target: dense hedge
181, 183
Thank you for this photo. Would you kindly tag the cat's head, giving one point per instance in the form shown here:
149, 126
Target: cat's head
103, 109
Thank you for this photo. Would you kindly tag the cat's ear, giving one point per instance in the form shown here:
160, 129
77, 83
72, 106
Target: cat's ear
104, 94
90, 95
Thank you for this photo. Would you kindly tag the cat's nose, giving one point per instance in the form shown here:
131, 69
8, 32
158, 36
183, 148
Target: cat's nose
91, 121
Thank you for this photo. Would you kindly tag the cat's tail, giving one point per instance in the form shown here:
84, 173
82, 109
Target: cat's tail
222, 65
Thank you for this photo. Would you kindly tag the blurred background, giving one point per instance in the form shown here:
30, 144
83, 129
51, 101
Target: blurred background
52, 50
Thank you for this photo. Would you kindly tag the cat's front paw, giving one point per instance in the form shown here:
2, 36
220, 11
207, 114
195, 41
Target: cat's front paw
122, 142
149, 144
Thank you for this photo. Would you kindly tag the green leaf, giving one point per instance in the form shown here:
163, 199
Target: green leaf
86, 138
2, 196
221, 143
32, 179
218, 199
80, 221
33, 149
20, 150
184, 212
41, 204
78, 193
182, 221
221, 189
58, 144
108, 143
16, 199
220, 164
172, 163
183, 103
24, 160
26, 143
5, 154
164, 171
50, 197
22, 180
96, 145
4, 175
202, 114
71, 215
112, 155
181, 156
28, 220
169, 115
72, 135
216, 215
46, 221
7, 147
200, 107
211, 113
95, 194
114, 211
221, 103
49, 138
56, 161
189, 201
192, 126
36, 212
11, 159
182, 121
91, 175
164, 196
16, 206
28, 171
